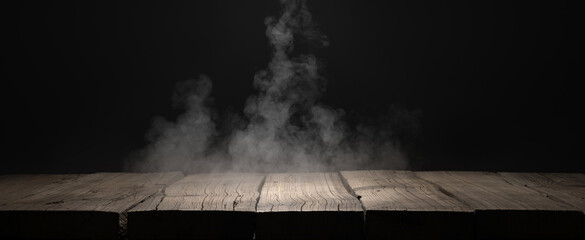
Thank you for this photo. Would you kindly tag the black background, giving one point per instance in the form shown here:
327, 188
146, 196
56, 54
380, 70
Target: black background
495, 83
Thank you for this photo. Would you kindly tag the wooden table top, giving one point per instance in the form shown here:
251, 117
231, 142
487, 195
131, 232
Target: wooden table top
364, 204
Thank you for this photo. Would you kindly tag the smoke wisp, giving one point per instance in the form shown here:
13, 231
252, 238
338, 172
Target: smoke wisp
284, 127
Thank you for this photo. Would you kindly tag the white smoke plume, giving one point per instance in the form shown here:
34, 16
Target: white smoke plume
284, 126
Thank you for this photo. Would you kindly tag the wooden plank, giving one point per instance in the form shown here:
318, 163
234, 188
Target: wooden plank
400, 205
16, 187
507, 211
200, 206
562, 187
74, 206
308, 206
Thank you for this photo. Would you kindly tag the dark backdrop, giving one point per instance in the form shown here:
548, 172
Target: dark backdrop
495, 83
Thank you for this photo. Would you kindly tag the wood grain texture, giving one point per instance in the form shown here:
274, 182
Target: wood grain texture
560, 187
75, 206
385, 190
298, 192
106, 192
486, 191
15, 188
401, 205
394, 204
504, 210
200, 206
308, 205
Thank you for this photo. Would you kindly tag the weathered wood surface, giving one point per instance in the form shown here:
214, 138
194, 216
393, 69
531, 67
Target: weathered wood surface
505, 210
561, 187
401, 205
350, 204
73, 206
15, 188
200, 206
308, 205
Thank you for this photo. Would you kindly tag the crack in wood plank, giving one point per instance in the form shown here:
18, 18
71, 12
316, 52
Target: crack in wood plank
260, 186
161, 198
